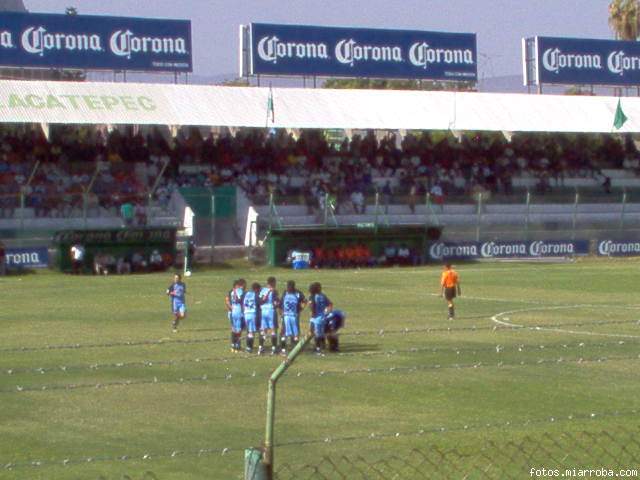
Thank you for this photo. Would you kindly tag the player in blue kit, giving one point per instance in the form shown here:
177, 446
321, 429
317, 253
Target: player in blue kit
269, 315
251, 312
233, 301
177, 291
320, 307
334, 322
291, 305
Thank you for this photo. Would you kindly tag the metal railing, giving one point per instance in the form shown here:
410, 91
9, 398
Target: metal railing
478, 215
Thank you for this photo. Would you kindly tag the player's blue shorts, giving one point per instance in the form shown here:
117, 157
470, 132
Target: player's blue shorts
269, 319
318, 324
178, 307
236, 320
251, 322
291, 326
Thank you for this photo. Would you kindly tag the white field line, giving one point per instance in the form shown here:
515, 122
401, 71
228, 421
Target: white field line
484, 299
506, 323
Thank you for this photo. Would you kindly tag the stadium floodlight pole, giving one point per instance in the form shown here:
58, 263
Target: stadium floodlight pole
267, 456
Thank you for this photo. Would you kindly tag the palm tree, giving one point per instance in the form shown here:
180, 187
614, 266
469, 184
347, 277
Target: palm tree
624, 19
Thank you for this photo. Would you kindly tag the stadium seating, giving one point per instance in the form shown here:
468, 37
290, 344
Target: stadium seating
90, 173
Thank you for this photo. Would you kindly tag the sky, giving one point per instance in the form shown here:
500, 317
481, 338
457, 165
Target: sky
499, 24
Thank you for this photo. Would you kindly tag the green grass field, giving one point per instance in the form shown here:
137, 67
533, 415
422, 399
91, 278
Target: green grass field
539, 369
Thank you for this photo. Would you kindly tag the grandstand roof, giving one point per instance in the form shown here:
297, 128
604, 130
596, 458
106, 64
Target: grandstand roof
130, 103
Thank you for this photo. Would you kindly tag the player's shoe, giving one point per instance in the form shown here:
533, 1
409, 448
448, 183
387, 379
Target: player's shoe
283, 352
174, 330
273, 350
260, 350
248, 350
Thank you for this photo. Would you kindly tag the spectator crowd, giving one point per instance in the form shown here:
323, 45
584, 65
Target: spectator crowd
90, 168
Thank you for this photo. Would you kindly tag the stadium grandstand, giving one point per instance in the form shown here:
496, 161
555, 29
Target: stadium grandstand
79, 154
75, 153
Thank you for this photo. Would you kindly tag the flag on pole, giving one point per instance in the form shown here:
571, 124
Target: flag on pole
271, 113
620, 118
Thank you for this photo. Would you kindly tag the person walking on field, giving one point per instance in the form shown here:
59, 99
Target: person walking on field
450, 287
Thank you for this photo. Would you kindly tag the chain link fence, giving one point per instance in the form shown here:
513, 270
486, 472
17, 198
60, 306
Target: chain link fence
579, 454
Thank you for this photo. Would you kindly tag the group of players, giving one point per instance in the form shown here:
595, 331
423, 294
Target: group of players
255, 311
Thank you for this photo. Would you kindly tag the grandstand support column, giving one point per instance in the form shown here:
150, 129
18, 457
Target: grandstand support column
267, 455
574, 220
622, 210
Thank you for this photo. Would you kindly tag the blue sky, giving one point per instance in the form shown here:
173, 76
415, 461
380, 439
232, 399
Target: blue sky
499, 24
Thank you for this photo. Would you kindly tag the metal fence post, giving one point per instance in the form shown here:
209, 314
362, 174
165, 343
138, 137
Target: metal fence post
526, 218
377, 206
429, 210
624, 204
266, 472
575, 215
479, 216
213, 222
85, 206
22, 207
326, 208
271, 207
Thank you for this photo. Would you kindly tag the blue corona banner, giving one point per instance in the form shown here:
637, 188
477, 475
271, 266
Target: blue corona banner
358, 52
618, 248
507, 249
94, 43
585, 61
32, 257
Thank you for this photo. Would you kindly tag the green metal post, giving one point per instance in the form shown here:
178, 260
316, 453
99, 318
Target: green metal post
375, 219
267, 457
22, 206
526, 219
575, 215
479, 217
271, 207
185, 267
326, 208
622, 211
431, 213
85, 207
213, 223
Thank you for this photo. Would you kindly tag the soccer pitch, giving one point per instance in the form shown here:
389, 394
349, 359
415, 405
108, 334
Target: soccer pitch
539, 369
